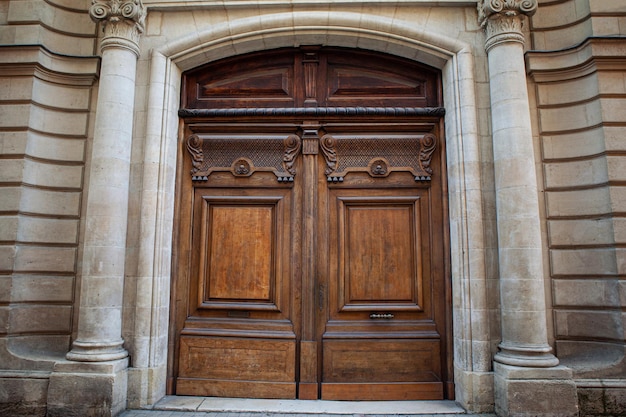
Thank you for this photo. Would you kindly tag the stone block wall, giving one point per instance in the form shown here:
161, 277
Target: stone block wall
48, 86
578, 76
47, 73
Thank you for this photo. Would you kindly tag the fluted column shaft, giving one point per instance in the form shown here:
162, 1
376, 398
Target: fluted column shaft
100, 312
523, 312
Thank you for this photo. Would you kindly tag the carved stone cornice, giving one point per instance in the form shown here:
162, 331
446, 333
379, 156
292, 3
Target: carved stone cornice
503, 19
123, 21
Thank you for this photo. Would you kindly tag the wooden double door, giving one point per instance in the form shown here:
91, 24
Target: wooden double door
311, 246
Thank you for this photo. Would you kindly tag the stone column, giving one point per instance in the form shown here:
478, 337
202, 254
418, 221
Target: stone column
524, 332
98, 345
525, 363
100, 313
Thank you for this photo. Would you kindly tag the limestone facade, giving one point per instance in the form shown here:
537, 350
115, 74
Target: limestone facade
535, 99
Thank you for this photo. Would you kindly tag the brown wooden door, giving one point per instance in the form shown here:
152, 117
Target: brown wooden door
238, 333
311, 260
383, 332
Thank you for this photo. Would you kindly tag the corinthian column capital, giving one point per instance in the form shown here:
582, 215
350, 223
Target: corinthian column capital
123, 21
503, 19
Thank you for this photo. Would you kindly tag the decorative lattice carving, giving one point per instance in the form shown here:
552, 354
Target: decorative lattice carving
378, 155
243, 155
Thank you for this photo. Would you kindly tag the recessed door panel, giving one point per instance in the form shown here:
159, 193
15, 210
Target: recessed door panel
246, 226
379, 248
370, 360
387, 369
248, 231
236, 367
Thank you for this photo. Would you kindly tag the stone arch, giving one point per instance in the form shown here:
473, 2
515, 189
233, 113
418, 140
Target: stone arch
346, 29
149, 336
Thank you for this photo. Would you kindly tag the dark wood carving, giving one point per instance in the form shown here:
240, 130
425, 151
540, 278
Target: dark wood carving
378, 167
311, 77
327, 144
242, 167
194, 146
310, 62
293, 145
263, 81
315, 112
243, 155
310, 138
428, 145
378, 155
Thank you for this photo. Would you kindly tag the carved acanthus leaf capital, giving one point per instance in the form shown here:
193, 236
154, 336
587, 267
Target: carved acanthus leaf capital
504, 8
123, 21
503, 19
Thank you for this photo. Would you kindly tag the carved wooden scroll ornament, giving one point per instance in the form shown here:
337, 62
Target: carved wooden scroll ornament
243, 155
379, 156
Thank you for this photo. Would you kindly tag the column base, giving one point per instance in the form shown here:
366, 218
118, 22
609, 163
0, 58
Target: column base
88, 389
526, 356
96, 352
537, 392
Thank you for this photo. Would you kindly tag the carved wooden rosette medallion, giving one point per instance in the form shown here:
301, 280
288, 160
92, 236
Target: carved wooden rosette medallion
242, 167
242, 156
378, 156
378, 167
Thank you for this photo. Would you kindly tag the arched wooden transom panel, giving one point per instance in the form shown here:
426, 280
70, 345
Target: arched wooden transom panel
311, 257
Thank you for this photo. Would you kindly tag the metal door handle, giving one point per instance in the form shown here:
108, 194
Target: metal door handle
387, 316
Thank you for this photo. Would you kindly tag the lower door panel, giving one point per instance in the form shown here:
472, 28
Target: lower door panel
362, 369
237, 367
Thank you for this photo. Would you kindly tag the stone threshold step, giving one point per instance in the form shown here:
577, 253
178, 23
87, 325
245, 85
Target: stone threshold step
246, 405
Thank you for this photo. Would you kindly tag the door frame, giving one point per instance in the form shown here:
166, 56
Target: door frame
149, 329
200, 120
